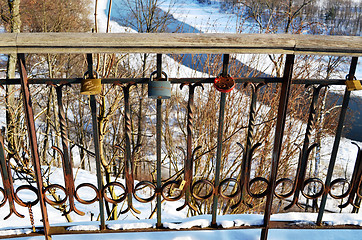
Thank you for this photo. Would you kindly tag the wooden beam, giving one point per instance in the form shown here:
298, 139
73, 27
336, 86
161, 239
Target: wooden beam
179, 43
8, 43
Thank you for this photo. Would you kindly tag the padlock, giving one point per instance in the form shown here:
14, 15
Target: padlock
182, 185
353, 85
91, 86
224, 84
159, 89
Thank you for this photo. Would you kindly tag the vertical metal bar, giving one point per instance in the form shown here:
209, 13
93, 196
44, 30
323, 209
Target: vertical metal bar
219, 144
354, 183
246, 165
356, 180
7, 181
158, 143
337, 139
279, 131
188, 165
128, 155
33, 142
127, 130
189, 129
93, 105
67, 163
303, 160
251, 124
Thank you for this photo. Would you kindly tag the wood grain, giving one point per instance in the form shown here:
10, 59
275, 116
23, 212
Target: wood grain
179, 43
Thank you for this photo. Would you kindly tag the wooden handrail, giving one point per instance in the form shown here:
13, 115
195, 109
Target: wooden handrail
179, 43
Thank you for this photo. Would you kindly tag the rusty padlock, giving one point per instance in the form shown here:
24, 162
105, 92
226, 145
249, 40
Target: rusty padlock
224, 84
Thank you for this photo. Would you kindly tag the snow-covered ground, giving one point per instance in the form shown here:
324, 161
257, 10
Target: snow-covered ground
206, 18
251, 234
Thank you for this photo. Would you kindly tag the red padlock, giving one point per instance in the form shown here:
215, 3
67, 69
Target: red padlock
224, 84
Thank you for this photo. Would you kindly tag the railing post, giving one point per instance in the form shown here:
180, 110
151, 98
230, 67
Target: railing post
128, 163
337, 139
219, 144
7, 179
158, 144
67, 163
306, 149
93, 106
279, 130
33, 142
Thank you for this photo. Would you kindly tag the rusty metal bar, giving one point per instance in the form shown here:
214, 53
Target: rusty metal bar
127, 128
8, 190
129, 172
356, 178
158, 144
219, 144
306, 149
246, 164
93, 105
33, 142
355, 183
279, 131
172, 80
337, 139
188, 162
65, 154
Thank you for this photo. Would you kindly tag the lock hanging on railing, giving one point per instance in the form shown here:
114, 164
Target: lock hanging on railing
353, 84
159, 89
91, 86
224, 84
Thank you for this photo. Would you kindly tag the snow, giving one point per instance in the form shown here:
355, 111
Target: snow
329, 234
114, 27
131, 225
84, 228
247, 234
188, 224
206, 18
15, 231
332, 219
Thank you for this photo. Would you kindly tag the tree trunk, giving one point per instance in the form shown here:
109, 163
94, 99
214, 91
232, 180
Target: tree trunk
15, 24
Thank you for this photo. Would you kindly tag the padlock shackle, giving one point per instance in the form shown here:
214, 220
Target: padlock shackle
86, 73
155, 72
353, 78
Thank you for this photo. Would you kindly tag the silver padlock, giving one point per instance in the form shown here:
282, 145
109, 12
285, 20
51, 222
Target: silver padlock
159, 89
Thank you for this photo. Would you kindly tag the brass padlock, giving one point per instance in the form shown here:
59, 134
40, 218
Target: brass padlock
353, 85
91, 86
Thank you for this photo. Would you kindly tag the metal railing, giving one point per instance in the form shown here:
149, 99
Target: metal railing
193, 43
